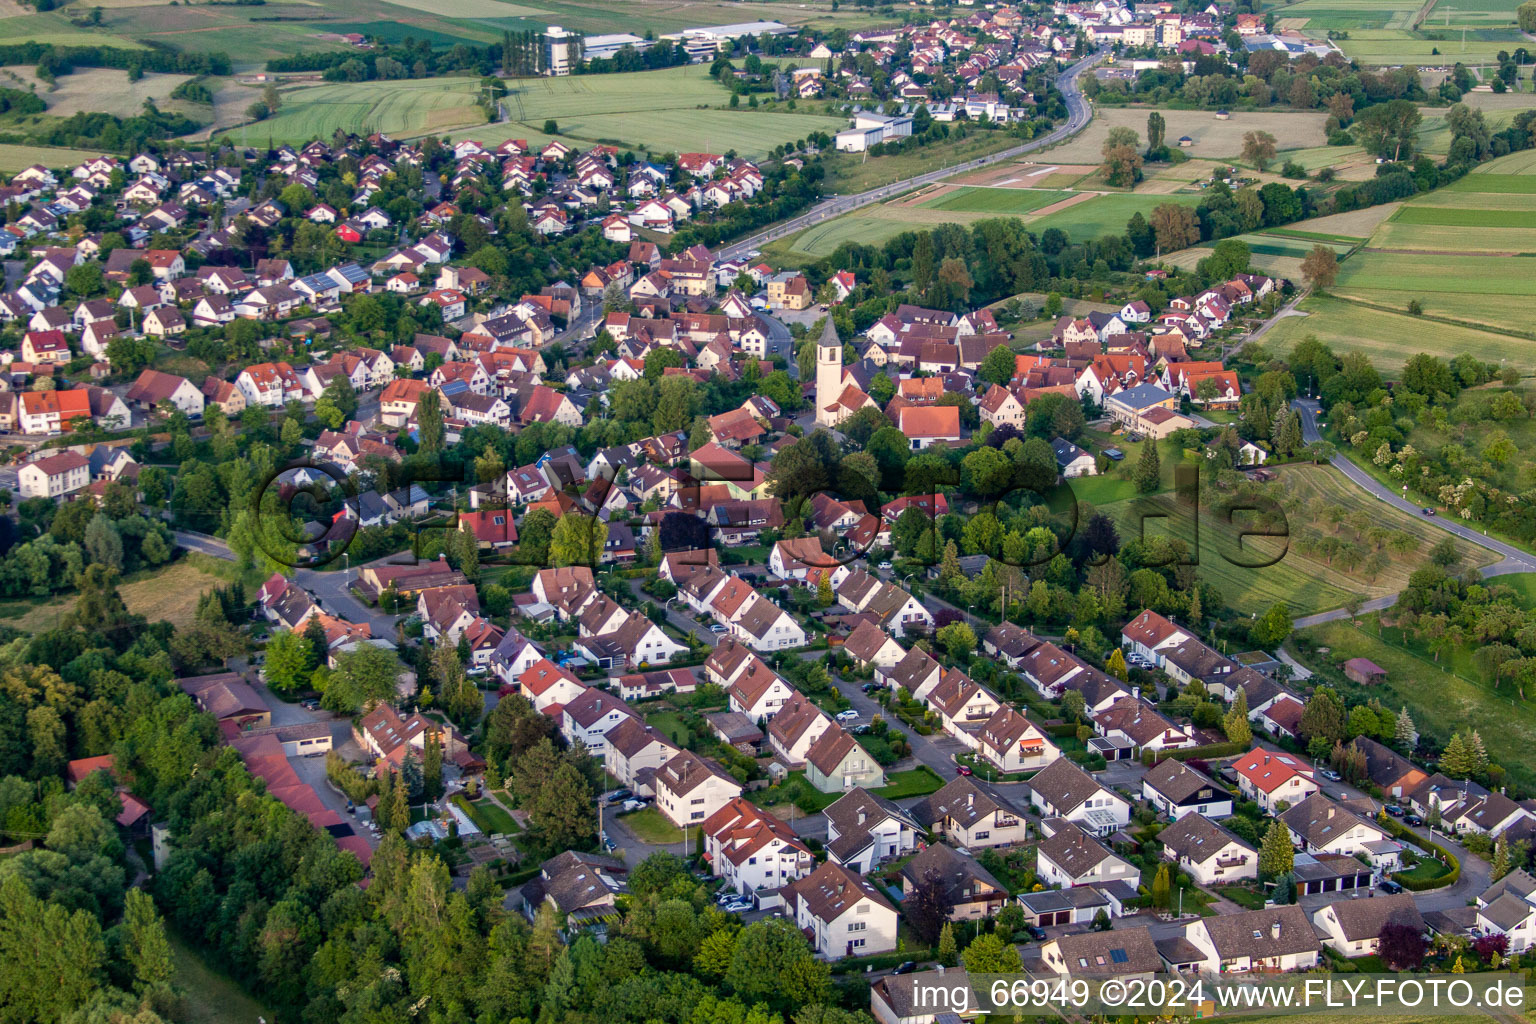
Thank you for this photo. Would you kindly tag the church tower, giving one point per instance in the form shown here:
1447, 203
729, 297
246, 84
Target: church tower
829, 374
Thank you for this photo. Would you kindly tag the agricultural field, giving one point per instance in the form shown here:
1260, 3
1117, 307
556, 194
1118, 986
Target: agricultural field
168, 593
1306, 582
1393, 46
1389, 338
1214, 139
821, 240
14, 158
101, 90
1319, 16
1450, 251
55, 29
673, 110
1278, 251
403, 109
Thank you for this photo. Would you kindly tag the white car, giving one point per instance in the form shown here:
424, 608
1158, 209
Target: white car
737, 907
848, 716
633, 805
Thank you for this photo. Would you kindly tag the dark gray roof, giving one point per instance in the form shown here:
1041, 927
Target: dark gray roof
1198, 839
1364, 919
1179, 782
1072, 849
1253, 933
1064, 785
965, 880
853, 835
966, 799
1130, 951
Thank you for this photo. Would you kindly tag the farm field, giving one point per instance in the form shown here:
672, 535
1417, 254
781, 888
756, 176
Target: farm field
1213, 138
1350, 15
655, 110
14, 158
821, 240
412, 107
1395, 46
100, 90
55, 29
1389, 338
1277, 252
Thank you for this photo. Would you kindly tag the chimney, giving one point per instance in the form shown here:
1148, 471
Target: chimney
941, 968
861, 816
970, 798
1135, 693
1330, 812
1274, 931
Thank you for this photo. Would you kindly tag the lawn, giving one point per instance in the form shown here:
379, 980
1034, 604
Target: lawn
919, 781
170, 593
413, 107
1440, 701
1016, 201
670, 725
490, 817
821, 240
1106, 214
1389, 338
209, 996
651, 826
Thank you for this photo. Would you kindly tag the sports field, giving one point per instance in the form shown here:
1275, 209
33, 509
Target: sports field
403, 108
1016, 201
1105, 215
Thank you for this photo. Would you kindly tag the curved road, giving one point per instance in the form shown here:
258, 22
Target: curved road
1079, 113
1513, 559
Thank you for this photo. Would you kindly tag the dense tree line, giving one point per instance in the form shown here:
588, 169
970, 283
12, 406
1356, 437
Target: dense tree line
61, 60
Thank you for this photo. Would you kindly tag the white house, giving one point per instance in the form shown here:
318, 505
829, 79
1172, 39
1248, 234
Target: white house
1353, 927
690, 788
1064, 790
1211, 854
841, 912
1069, 856
753, 851
1273, 939
54, 476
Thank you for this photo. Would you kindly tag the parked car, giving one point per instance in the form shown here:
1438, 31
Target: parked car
962, 769
1412, 819
737, 907
905, 968
870, 687
884, 566
1394, 810
1389, 887
715, 627
1035, 932
1330, 775
633, 805
847, 716
619, 795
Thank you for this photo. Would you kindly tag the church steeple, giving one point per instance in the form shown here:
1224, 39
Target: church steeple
829, 373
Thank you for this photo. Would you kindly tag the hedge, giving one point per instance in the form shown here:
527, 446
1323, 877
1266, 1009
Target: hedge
882, 961
1210, 750
1402, 831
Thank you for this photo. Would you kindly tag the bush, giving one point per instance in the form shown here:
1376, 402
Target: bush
1293, 169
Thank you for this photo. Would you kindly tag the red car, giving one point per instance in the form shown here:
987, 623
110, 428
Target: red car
961, 769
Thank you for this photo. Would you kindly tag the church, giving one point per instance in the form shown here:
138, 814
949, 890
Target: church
835, 401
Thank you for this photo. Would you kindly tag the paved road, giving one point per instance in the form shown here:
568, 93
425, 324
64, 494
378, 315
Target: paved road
1079, 113
1513, 559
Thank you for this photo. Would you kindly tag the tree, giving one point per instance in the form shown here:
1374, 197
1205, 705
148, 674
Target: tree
989, 954
657, 873
1116, 667
429, 414
1320, 267
947, 955
1174, 227
1162, 888
772, 962
288, 661
1236, 725
1500, 866
1389, 130
958, 639
54, 957
1149, 469
1258, 149
1458, 759
1157, 127
1323, 716
1401, 946
1122, 162
364, 676
148, 950
1271, 628
1276, 854
1229, 258
999, 365
577, 540
927, 906
1405, 734
432, 767
103, 543
1526, 15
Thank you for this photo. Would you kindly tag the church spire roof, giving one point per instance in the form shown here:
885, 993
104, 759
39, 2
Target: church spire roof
829, 334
